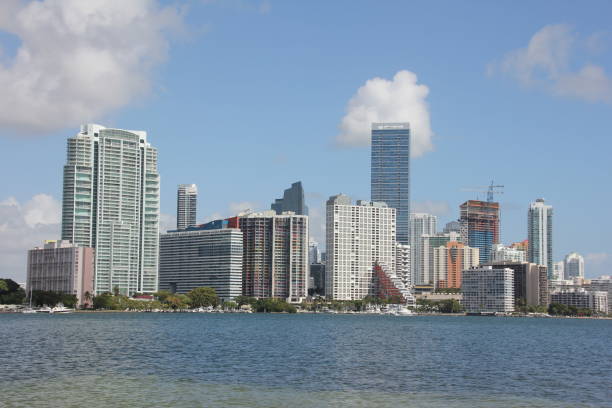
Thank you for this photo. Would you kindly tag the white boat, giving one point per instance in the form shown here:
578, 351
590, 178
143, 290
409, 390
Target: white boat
60, 308
28, 311
404, 312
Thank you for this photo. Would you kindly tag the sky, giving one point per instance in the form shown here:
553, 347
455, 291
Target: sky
245, 97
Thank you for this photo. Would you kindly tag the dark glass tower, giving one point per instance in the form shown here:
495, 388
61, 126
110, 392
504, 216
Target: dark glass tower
293, 200
390, 172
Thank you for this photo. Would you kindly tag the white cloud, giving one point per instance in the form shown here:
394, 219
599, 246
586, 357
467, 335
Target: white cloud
167, 222
401, 99
79, 60
597, 264
23, 227
438, 208
548, 60
235, 208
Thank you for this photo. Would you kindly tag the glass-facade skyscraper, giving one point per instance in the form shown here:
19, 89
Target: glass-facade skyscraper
186, 203
111, 203
293, 200
390, 172
539, 229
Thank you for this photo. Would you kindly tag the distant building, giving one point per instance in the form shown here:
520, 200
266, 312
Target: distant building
539, 227
358, 237
390, 172
314, 256
275, 262
206, 256
420, 224
448, 262
293, 200
558, 271
317, 279
426, 257
581, 298
573, 266
521, 246
530, 282
501, 253
603, 284
60, 266
186, 205
480, 226
453, 226
488, 290
402, 264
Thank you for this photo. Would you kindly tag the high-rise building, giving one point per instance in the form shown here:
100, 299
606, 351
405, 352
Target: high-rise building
186, 205
539, 227
60, 266
275, 261
448, 262
358, 237
480, 226
453, 226
558, 271
390, 172
488, 290
573, 266
209, 255
293, 200
425, 271
402, 264
317, 279
500, 253
314, 256
111, 203
530, 282
420, 224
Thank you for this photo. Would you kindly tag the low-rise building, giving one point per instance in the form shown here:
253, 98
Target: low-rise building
597, 301
488, 290
502, 253
603, 284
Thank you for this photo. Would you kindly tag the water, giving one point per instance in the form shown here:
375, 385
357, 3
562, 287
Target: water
234, 360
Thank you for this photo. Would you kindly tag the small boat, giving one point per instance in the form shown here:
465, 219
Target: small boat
28, 311
60, 308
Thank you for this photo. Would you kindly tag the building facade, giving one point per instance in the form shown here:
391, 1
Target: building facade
480, 226
540, 229
603, 284
358, 237
581, 298
317, 280
573, 266
111, 203
402, 264
205, 256
488, 290
425, 271
60, 266
530, 282
390, 172
501, 253
293, 200
558, 271
186, 205
420, 224
450, 260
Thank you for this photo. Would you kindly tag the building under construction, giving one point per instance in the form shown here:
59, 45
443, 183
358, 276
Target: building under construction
480, 226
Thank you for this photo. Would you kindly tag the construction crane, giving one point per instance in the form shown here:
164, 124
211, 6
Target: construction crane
491, 190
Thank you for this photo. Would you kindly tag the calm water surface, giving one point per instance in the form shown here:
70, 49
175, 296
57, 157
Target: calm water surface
231, 360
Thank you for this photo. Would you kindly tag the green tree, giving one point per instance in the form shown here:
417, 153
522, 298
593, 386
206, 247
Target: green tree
230, 305
3, 286
203, 297
11, 293
103, 301
245, 300
162, 295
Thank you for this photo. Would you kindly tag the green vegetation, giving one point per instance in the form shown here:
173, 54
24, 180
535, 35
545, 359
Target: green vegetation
203, 297
163, 300
523, 307
50, 298
11, 293
440, 306
273, 305
558, 309
320, 304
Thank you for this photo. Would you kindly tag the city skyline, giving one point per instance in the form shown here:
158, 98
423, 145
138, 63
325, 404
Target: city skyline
476, 110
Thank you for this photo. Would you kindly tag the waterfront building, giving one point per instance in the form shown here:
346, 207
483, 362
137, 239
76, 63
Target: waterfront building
60, 266
389, 286
530, 282
558, 271
487, 289
596, 301
317, 280
539, 227
420, 224
357, 237
111, 203
603, 284
186, 205
293, 200
480, 226
275, 261
209, 255
426, 257
390, 172
402, 264
448, 262
573, 266
500, 253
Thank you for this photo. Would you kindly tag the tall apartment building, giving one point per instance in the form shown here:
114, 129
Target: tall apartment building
275, 261
501, 253
603, 284
357, 237
111, 203
539, 227
530, 282
186, 205
390, 172
448, 262
480, 226
420, 224
209, 255
293, 200
558, 271
425, 271
60, 266
402, 264
581, 298
488, 290
573, 266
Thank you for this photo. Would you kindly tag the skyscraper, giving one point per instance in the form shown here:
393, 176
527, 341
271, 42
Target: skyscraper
420, 224
539, 228
488, 289
293, 200
111, 203
186, 203
448, 262
480, 226
390, 172
573, 266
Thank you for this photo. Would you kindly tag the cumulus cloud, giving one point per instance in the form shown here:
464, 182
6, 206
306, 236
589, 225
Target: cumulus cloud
548, 62
401, 99
79, 60
24, 226
438, 208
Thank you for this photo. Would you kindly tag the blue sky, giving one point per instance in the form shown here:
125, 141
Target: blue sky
245, 97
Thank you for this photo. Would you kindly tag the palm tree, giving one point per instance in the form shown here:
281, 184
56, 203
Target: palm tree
87, 296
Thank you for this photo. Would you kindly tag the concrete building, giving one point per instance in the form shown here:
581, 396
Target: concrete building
402, 264
293, 200
426, 257
317, 280
209, 255
450, 260
390, 172
530, 282
602, 284
480, 226
358, 237
558, 271
314, 256
453, 226
596, 301
275, 262
186, 205
60, 266
501, 253
488, 290
573, 266
539, 227
111, 203
420, 224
